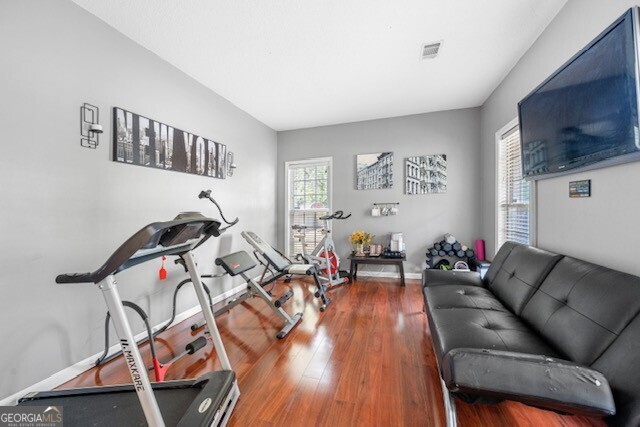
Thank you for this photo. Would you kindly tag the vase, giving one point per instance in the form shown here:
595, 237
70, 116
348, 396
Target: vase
359, 249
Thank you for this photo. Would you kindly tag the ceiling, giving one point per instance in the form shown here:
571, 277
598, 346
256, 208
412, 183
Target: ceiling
301, 63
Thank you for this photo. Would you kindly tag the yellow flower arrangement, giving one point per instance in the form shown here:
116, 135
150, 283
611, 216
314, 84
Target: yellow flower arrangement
360, 237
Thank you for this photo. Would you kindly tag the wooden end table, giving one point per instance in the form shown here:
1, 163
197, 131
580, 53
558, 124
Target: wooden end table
355, 260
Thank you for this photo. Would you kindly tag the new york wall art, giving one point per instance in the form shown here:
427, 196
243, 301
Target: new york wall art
141, 141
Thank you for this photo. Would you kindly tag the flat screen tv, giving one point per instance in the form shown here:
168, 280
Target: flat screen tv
585, 115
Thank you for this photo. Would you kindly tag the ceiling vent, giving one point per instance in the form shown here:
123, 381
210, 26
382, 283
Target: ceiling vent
430, 50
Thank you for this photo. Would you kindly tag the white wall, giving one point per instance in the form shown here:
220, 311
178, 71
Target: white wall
67, 208
422, 218
592, 228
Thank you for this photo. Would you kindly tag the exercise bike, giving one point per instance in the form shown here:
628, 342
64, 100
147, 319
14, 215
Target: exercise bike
324, 254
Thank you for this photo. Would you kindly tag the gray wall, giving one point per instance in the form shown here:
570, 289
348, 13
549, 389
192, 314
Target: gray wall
571, 226
422, 218
66, 208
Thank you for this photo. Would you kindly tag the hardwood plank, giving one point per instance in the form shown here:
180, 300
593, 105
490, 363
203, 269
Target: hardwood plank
296, 410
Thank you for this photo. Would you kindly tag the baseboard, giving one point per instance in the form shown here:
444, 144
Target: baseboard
73, 371
388, 274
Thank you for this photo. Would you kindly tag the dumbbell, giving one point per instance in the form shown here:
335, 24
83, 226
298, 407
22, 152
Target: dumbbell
190, 348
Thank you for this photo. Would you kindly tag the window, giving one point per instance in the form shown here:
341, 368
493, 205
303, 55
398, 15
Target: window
514, 193
308, 198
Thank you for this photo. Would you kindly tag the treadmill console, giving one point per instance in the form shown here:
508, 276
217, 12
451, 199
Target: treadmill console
182, 233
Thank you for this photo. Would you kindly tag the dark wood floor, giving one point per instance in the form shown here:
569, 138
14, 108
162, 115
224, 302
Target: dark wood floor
366, 361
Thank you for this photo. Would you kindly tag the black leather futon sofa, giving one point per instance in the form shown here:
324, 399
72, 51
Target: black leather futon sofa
540, 328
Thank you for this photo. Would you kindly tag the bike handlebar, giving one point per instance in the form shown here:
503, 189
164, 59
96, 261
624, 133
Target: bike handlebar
335, 215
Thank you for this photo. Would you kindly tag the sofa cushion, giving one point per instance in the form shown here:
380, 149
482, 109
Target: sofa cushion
461, 296
432, 277
556, 384
498, 260
581, 308
518, 272
493, 329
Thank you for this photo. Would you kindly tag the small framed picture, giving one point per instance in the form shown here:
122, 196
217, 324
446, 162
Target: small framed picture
578, 189
425, 174
374, 171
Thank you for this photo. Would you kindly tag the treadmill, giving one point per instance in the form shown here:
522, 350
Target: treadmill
205, 401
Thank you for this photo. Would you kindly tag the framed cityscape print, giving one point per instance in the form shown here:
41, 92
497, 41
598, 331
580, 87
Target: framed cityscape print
374, 171
425, 174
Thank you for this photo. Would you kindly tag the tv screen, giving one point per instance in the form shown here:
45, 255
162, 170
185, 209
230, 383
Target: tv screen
587, 111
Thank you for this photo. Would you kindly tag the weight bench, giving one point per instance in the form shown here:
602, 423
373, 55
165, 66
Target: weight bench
284, 266
238, 263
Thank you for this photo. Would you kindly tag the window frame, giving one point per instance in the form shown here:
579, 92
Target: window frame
533, 192
287, 202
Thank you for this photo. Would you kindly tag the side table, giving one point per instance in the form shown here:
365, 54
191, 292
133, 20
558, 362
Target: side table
355, 260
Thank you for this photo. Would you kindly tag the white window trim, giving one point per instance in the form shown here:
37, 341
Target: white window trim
533, 193
287, 186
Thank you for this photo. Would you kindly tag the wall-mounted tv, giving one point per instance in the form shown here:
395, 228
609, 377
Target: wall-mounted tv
585, 115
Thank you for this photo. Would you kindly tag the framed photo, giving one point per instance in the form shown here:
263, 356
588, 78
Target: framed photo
425, 174
374, 171
141, 141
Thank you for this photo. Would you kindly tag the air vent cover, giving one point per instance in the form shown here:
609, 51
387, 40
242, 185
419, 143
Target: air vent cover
430, 50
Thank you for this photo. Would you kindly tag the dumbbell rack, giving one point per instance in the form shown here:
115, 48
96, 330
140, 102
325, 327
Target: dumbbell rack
469, 255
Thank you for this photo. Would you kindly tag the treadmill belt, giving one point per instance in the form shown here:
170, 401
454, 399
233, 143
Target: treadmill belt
119, 405
120, 409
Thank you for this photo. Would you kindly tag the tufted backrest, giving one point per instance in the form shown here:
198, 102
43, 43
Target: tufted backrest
592, 315
516, 272
581, 308
498, 260
619, 364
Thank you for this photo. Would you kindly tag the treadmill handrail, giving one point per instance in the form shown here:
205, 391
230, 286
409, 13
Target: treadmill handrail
148, 244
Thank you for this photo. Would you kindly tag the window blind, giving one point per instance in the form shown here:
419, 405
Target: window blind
308, 200
312, 236
513, 191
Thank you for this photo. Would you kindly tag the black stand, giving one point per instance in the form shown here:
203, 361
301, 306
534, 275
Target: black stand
355, 260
